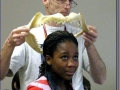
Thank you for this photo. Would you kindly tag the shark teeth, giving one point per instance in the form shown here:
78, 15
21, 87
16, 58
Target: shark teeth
40, 19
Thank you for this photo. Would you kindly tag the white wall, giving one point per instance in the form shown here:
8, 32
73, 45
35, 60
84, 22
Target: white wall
99, 13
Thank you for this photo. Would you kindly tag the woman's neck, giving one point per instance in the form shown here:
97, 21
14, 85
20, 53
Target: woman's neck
59, 81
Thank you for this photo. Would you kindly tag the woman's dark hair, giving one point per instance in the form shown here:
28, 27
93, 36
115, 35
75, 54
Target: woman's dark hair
52, 41
50, 45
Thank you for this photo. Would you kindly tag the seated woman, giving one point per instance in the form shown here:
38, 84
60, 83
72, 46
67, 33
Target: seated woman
60, 50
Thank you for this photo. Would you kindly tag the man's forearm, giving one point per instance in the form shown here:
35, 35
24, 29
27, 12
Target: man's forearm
97, 66
6, 53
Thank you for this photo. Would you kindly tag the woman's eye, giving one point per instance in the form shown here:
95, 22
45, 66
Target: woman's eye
75, 57
64, 57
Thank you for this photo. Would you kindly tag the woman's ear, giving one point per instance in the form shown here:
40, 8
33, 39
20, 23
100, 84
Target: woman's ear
48, 59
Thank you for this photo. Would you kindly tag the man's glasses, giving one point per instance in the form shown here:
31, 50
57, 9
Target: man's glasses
62, 2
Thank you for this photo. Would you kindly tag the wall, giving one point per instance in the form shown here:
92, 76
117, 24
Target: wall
99, 13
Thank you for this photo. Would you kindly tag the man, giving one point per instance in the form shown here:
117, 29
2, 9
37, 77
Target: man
17, 55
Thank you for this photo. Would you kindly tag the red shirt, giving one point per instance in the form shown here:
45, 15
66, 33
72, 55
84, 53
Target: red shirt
39, 84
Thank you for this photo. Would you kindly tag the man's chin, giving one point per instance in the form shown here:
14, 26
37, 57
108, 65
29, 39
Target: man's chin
65, 14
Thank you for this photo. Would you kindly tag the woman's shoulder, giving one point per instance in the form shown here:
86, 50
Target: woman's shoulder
40, 84
41, 80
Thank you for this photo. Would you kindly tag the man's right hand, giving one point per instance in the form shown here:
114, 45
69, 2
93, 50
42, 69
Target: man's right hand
17, 36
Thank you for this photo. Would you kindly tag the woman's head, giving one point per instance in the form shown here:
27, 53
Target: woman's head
60, 50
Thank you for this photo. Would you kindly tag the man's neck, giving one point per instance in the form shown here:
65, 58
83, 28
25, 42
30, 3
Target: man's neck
54, 24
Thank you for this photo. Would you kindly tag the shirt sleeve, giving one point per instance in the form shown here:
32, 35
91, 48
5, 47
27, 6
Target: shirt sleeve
86, 65
17, 58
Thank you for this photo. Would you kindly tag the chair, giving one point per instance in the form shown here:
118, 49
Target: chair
16, 82
86, 84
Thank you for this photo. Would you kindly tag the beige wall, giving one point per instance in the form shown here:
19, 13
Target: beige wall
99, 13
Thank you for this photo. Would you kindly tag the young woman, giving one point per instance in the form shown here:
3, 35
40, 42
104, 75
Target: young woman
60, 50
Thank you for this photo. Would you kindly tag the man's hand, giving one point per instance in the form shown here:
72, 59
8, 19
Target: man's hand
90, 36
17, 36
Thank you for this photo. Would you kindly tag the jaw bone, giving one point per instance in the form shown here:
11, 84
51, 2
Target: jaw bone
40, 19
